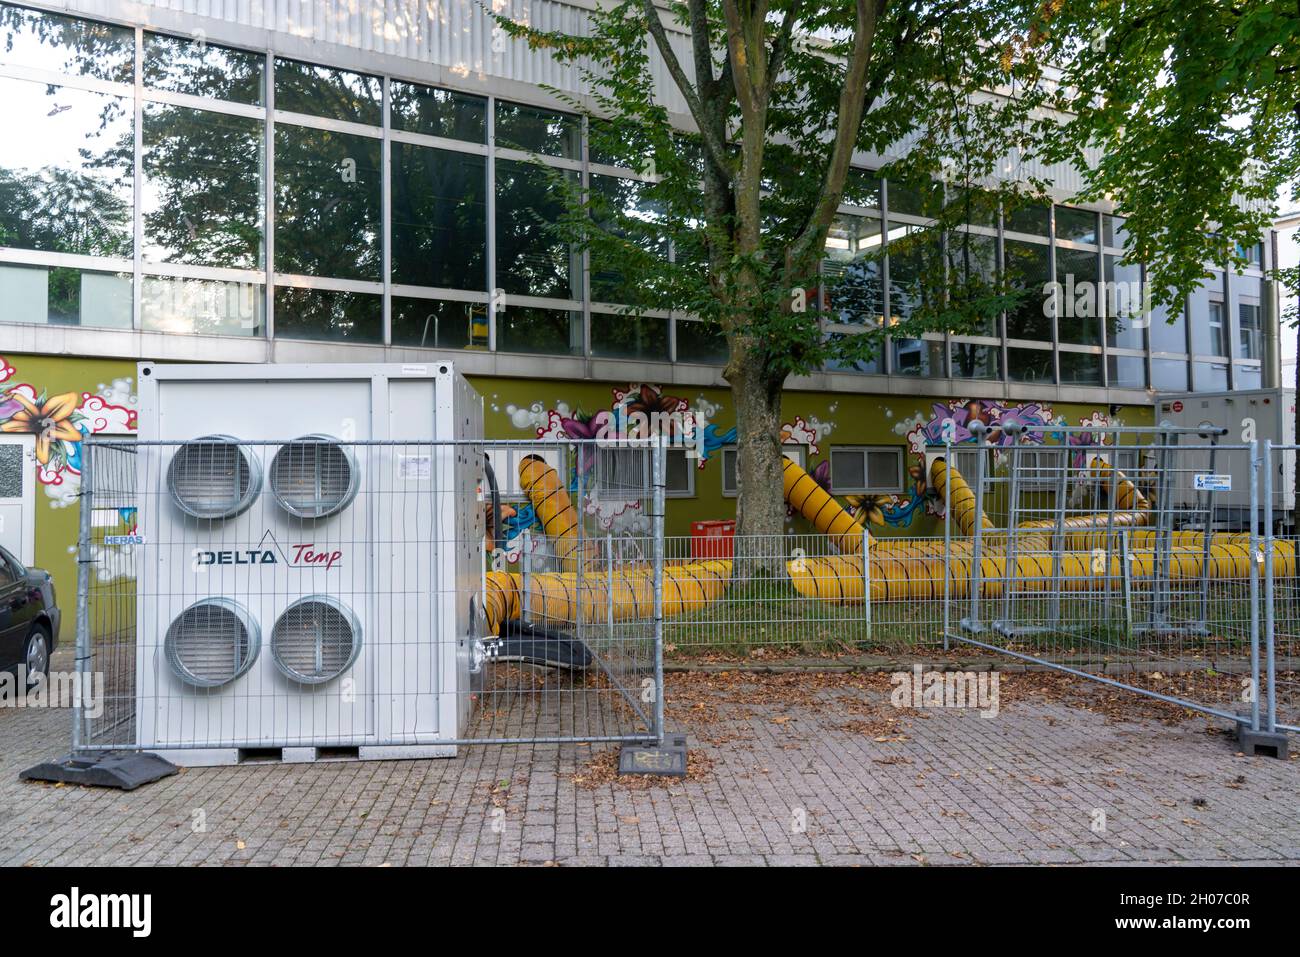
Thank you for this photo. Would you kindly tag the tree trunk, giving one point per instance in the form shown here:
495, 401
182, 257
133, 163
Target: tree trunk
760, 505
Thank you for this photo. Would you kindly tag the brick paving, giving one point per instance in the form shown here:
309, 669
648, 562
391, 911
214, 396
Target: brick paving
1025, 787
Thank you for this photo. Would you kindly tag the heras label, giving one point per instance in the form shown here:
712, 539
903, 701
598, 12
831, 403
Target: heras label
1206, 482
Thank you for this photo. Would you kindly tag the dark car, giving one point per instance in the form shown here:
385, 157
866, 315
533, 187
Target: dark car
29, 617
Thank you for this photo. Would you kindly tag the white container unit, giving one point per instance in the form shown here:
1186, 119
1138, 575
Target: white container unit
1247, 414
309, 594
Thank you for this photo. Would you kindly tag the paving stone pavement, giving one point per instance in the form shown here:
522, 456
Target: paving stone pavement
1028, 786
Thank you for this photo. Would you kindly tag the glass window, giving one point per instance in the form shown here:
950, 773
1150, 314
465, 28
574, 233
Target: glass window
1030, 365
852, 273
972, 269
439, 218
46, 41
66, 170
203, 194
623, 208
1076, 225
974, 207
1112, 230
532, 260
862, 188
327, 203
1078, 319
1250, 331
1212, 339
1028, 217
1080, 368
1027, 266
1208, 318
862, 469
433, 112
322, 91
328, 314
973, 361
1169, 375
869, 363
919, 199
702, 342
1124, 304
434, 324
548, 331
1125, 372
201, 307
536, 130
1210, 376
629, 337
918, 357
679, 474
62, 296
203, 69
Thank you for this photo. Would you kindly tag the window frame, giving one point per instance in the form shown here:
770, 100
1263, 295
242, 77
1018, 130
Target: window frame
897, 451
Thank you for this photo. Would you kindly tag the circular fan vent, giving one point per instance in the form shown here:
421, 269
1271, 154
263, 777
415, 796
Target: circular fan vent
214, 477
314, 476
212, 643
316, 639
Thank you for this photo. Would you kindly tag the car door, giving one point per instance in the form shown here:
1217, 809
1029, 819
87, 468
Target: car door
13, 620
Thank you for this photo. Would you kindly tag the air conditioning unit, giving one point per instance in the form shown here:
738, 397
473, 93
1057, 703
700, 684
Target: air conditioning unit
312, 552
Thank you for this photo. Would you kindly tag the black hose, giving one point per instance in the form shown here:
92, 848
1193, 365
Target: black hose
498, 526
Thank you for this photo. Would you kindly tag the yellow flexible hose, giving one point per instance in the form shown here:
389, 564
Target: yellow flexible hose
559, 596
804, 495
554, 509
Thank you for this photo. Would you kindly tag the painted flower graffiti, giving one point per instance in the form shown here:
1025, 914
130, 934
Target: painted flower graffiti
60, 422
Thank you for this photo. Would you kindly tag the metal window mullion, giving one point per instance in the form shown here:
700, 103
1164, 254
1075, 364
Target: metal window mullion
886, 340
491, 196
386, 214
585, 279
1230, 327
1102, 307
137, 210
1000, 249
268, 215
1056, 307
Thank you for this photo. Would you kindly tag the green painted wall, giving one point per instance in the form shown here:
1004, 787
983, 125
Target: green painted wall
101, 397
522, 408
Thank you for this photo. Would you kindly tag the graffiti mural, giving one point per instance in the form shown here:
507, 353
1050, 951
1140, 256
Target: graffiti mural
60, 422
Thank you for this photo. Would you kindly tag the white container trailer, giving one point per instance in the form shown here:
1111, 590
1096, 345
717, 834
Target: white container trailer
1245, 414
309, 597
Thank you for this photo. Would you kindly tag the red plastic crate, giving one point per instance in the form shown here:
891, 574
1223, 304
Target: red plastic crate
713, 539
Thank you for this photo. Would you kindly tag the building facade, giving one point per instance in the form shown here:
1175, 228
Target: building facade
320, 181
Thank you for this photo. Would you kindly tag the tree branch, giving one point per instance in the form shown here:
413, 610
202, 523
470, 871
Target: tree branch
717, 149
847, 123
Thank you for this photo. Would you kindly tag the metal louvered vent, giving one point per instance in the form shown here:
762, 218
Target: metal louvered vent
214, 477
316, 639
212, 643
314, 476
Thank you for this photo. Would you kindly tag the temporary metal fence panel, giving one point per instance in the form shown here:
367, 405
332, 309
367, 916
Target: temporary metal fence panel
1113, 558
1281, 625
310, 593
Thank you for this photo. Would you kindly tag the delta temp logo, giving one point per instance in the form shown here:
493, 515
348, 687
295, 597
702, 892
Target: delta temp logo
78, 910
270, 552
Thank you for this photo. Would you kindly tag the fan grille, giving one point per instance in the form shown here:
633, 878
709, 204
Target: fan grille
211, 643
313, 477
315, 640
212, 477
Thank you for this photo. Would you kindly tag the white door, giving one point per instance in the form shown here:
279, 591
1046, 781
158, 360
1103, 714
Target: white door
18, 496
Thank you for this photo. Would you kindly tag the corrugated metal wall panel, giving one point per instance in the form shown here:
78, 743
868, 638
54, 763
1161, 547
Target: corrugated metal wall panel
454, 35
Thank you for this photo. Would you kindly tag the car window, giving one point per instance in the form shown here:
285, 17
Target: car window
7, 575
